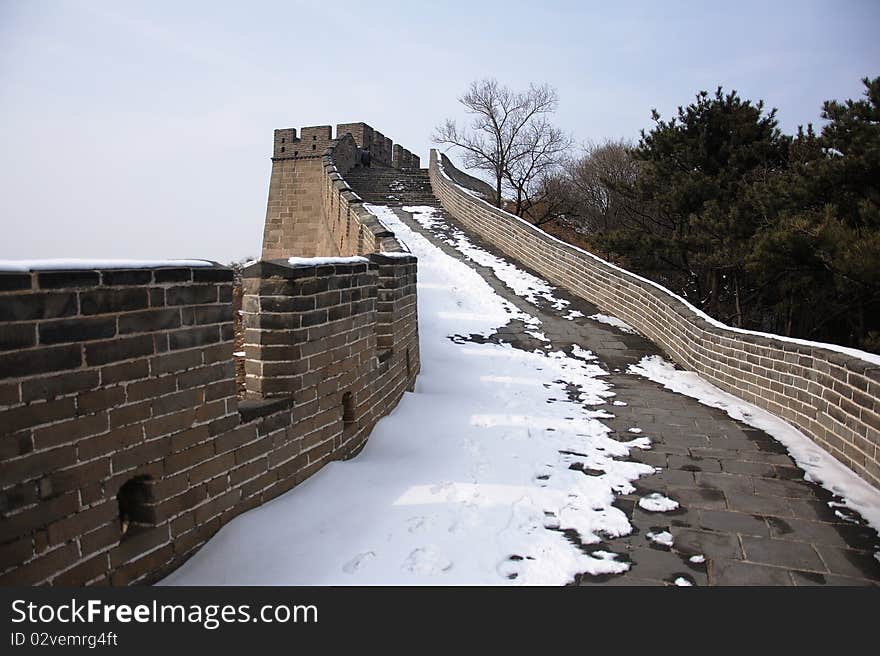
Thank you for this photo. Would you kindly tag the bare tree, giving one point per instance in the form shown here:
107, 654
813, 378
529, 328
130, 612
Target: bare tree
599, 180
531, 171
502, 123
553, 199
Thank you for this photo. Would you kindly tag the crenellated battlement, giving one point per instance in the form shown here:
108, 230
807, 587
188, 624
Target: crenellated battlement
314, 140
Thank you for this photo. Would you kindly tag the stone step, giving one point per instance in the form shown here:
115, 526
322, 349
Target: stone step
389, 186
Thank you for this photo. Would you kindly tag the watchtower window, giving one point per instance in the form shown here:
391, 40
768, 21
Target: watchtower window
314, 146
282, 140
282, 149
314, 138
134, 499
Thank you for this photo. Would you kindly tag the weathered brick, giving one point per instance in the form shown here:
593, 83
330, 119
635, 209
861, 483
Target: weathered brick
101, 399
192, 337
205, 375
80, 329
121, 348
17, 336
17, 444
27, 307
68, 279
95, 567
10, 282
135, 544
10, 394
191, 295
101, 538
41, 567
127, 277
42, 360
16, 526
212, 275
177, 401
170, 424
35, 414
144, 452
173, 275
189, 458
146, 321
71, 430
214, 466
136, 569
130, 414
79, 475
104, 301
83, 521
16, 552
49, 387
102, 445
124, 372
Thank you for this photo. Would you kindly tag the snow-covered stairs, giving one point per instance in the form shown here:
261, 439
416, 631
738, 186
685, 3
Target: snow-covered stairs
388, 186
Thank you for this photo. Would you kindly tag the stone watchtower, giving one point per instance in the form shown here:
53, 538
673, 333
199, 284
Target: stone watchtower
302, 215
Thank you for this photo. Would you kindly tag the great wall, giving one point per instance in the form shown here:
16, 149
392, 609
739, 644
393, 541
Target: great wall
126, 446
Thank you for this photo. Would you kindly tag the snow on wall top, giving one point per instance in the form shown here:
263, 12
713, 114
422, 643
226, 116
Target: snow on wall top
845, 350
74, 264
317, 261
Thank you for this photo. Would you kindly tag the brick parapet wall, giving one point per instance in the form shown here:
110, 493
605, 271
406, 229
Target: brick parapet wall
118, 396
353, 229
831, 396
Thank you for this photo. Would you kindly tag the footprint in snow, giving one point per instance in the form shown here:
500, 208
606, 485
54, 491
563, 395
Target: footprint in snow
427, 560
418, 524
358, 562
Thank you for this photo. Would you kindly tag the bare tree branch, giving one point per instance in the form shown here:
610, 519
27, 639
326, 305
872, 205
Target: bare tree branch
509, 136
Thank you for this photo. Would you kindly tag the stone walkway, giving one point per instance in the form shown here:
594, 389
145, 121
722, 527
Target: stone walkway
746, 514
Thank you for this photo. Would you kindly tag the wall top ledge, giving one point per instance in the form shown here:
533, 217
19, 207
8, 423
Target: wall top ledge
282, 268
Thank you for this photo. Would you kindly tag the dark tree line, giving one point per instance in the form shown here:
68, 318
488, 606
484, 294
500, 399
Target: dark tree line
762, 230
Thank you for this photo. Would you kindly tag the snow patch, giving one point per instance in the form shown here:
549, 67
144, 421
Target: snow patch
614, 321
661, 537
820, 466
656, 502
317, 261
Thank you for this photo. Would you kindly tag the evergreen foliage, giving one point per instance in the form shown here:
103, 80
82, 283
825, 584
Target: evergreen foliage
763, 230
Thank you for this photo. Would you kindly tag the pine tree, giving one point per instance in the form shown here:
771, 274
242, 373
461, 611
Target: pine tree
696, 173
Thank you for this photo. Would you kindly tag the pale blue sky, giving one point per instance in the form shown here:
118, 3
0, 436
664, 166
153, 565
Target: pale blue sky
144, 129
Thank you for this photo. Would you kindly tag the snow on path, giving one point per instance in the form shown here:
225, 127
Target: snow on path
820, 466
610, 320
464, 482
523, 284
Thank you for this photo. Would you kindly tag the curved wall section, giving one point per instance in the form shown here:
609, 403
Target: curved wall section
831, 394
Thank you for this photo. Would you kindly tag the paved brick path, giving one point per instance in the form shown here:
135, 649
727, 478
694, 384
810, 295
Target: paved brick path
744, 505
